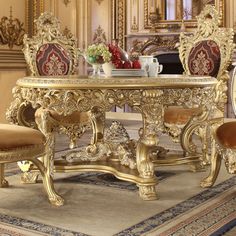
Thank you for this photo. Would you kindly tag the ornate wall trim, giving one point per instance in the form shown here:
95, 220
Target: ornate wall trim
33, 9
11, 31
220, 6
119, 24
12, 59
99, 1
99, 35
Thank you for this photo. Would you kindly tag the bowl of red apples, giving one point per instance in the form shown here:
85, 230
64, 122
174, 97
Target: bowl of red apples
119, 60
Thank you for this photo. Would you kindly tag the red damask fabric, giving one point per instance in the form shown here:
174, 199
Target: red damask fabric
52, 59
205, 58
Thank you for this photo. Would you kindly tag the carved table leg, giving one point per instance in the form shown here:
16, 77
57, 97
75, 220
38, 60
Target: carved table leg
152, 114
3, 182
145, 166
98, 149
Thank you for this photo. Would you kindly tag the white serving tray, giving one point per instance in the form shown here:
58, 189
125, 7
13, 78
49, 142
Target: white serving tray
128, 72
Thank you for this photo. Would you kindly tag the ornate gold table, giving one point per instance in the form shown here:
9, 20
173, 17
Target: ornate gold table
149, 96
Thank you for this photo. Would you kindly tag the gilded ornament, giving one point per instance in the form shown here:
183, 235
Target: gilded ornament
11, 31
111, 150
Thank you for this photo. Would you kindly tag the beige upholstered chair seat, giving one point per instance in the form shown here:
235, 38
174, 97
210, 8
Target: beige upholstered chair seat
226, 135
75, 117
19, 143
179, 115
14, 136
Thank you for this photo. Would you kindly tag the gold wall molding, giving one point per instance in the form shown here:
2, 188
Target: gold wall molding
99, 35
66, 2
119, 24
12, 59
163, 24
99, 1
134, 15
11, 31
67, 32
33, 9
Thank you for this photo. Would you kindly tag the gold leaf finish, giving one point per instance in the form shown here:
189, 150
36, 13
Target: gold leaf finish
149, 96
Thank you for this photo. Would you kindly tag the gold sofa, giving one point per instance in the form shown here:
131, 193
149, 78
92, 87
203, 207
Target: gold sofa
18, 143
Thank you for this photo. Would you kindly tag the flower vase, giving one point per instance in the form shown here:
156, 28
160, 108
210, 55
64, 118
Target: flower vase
96, 70
107, 68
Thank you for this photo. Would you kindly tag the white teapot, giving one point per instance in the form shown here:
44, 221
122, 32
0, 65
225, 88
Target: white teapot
155, 68
150, 65
145, 61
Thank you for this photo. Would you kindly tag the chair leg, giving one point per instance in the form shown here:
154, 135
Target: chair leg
53, 197
214, 171
3, 182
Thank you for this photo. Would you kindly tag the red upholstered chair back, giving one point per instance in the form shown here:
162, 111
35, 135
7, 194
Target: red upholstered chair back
208, 51
52, 59
204, 58
50, 52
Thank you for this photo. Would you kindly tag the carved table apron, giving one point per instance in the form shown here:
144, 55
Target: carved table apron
149, 96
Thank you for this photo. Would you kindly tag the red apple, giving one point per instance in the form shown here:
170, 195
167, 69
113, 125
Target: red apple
118, 64
127, 65
136, 64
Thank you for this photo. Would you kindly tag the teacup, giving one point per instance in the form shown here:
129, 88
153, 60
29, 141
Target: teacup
155, 68
146, 61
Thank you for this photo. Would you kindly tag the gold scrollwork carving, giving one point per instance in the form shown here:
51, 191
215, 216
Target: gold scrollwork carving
11, 31
66, 2
99, 1
99, 35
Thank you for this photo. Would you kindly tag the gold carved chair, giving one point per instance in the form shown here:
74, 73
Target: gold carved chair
225, 149
50, 53
18, 143
207, 52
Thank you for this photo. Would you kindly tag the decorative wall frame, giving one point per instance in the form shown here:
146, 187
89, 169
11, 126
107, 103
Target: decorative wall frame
33, 9
11, 31
119, 20
220, 6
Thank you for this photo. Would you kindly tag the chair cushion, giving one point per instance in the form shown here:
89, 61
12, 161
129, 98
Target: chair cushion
179, 115
204, 58
14, 136
74, 118
52, 59
226, 135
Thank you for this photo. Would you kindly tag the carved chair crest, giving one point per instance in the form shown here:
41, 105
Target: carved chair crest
50, 52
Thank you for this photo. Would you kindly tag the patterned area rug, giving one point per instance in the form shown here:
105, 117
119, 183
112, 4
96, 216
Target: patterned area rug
210, 212
98, 204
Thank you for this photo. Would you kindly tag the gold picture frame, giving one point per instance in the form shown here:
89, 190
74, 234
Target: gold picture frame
220, 6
